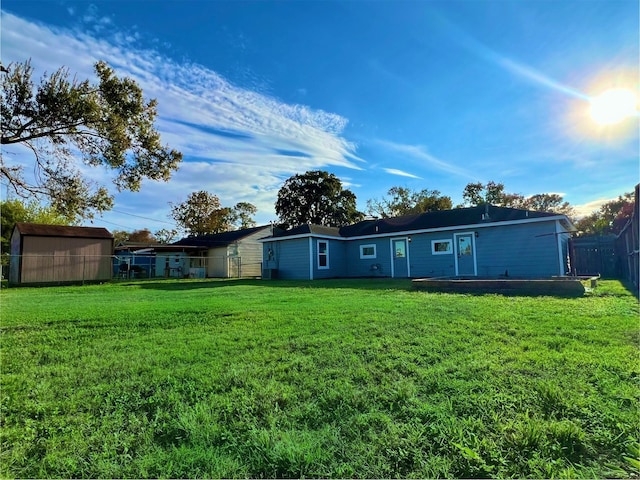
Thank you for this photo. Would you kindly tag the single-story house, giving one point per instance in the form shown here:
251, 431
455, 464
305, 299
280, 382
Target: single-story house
485, 241
237, 253
56, 254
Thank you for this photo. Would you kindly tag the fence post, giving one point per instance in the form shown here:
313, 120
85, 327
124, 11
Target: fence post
84, 267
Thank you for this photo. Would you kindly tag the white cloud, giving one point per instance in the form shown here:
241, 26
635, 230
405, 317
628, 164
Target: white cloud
238, 144
393, 171
420, 154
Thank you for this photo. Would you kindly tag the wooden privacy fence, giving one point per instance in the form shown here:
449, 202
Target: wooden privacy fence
594, 255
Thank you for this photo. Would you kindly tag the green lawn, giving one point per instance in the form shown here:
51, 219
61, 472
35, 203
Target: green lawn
359, 378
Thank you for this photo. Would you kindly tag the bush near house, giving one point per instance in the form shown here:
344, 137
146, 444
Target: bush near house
350, 378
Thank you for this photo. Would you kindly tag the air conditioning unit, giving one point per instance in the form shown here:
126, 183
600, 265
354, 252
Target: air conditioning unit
269, 273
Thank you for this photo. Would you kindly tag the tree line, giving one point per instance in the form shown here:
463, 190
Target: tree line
109, 124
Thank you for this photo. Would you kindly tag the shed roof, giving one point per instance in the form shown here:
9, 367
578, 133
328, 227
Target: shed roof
220, 239
42, 230
483, 214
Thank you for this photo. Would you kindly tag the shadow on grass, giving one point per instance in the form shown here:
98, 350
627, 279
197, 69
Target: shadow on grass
356, 283
382, 284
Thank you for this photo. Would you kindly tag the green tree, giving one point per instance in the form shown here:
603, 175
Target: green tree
611, 217
493, 193
243, 215
201, 214
166, 235
548, 202
404, 201
316, 197
107, 124
144, 236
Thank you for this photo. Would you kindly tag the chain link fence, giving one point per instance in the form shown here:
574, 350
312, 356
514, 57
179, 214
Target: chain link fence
57, 269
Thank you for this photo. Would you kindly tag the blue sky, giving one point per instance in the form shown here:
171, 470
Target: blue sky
421, 94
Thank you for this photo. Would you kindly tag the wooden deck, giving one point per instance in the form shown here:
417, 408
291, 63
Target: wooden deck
555, 286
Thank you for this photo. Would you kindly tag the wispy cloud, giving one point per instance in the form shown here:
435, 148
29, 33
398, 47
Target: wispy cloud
519, 69
419, 153
400, 173
238, 143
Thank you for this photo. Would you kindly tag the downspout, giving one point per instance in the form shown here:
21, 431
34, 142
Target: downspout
559, 244
310, 258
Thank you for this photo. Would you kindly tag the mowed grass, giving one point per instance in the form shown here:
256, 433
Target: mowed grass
358, 378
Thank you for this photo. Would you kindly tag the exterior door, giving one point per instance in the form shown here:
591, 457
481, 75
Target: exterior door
400, 254
465, 254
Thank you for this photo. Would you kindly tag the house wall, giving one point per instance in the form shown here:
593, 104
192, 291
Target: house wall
525, 250
250, 252
368, 267
289, 257
337, 259
64, 259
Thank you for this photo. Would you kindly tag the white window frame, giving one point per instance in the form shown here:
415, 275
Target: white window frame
320, 267
442, 240
366, 257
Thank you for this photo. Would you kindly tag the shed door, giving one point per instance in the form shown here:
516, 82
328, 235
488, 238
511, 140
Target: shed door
465, 253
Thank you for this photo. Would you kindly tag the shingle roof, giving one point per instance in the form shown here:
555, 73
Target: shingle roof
486, 214
219, 239
41, 230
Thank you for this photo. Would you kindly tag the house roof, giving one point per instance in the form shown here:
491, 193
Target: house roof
483, 214
219, 239
42, 230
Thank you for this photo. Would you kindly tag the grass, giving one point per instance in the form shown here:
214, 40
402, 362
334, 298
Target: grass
354, 378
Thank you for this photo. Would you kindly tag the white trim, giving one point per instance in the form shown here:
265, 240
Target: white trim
326, 267
310, 258
442, 240
559, 243
368, 257
473, 251
474, 226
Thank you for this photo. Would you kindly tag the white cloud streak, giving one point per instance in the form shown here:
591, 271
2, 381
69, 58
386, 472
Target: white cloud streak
420, 154
238, 144
400, 173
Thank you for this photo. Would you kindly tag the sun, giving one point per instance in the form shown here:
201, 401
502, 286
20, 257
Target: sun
613, 106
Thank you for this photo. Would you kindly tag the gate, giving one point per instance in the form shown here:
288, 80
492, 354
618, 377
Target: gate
594, 255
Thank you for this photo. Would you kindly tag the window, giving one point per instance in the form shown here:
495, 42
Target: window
367, 251
441, 247
323, 254
399, 249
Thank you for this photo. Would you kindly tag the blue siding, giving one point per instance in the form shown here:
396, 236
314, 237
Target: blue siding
522, 250
290, 257
423, 263
529, 250
337, 259
368, 267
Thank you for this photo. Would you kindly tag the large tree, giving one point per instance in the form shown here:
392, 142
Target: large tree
492, 193
547, 202
201, 214
316, 197
404, 201
611, 217
63, 121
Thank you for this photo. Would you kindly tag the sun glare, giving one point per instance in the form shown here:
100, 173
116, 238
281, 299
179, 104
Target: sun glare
613, 106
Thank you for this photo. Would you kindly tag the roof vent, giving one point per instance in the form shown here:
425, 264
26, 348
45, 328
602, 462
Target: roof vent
485, 215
